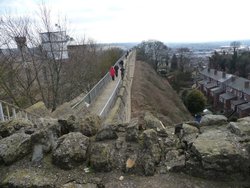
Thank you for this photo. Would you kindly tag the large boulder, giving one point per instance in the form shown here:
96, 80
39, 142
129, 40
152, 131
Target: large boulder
47, 134
45, 137
90, 125
71, 150
151, 151
71, 124
47, 122
219, 152
119, 127
154, 123
12, 126
28, 179
148, 165
241, 127
106, 133
189, 129
175, 162
132, 131
190, 133
37, 154
14, 147
101, 158
148, 138
213, 120
87, 126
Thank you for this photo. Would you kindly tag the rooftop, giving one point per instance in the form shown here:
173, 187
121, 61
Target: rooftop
217, 90
216, 75
239, 84
237, 102
227, 96
210, 85
244, 106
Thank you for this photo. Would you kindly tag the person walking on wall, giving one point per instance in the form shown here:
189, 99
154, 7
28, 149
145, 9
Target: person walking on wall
126, 55
122, 72
121, 63
112, 72
116, 70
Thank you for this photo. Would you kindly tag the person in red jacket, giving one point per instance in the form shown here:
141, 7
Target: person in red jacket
112, 72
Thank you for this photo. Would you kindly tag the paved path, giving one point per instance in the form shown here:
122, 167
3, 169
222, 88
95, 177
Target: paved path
100, 102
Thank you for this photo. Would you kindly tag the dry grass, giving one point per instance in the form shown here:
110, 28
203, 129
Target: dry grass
150, 92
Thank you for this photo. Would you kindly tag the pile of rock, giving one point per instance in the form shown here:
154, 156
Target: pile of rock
212, 149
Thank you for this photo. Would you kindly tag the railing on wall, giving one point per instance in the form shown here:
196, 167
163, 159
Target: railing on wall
97, 89
111, 100
9, 111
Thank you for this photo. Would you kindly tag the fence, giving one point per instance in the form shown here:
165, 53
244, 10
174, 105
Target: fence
97, 89
9, 111
111, 100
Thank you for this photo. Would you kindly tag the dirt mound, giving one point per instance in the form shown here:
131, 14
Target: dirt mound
153, 93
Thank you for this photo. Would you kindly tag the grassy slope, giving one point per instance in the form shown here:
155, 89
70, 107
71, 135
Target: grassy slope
150, 92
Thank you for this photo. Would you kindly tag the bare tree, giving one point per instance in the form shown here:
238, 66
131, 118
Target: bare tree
235, 45
35, 65
82, 62
154, 52
88, 62
54, 54
23, 67
14, 31
184, 58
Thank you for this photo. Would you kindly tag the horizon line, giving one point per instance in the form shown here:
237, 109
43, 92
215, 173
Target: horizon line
178, 42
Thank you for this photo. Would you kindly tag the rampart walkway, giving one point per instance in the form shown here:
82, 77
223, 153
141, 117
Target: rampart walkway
106, 100
102, 98
99, 105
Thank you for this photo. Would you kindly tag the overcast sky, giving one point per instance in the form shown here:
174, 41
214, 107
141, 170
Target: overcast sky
138, 20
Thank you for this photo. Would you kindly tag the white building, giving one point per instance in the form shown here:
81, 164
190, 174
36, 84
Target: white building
55, 44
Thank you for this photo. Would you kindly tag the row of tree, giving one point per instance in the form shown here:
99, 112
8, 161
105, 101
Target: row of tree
153, 52
237, 63
175, 62
31, 70
157, 53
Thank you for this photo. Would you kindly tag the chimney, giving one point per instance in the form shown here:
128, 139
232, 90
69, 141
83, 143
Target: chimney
215, 72
246, 84
223, 75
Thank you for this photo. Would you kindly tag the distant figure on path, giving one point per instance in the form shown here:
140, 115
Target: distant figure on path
122, 72
112, 72
121, 63
126, 54
116, 70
